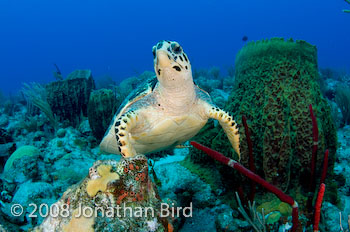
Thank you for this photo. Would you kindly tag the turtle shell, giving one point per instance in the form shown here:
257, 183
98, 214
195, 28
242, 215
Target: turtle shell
141, 91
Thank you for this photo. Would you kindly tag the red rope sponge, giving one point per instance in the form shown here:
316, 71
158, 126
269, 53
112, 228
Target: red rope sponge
314, 149
318, 206
213, 154
250, 144
251, 175
251, 157
325, 166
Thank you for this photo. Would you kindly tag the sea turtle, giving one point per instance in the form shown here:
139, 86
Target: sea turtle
166, 110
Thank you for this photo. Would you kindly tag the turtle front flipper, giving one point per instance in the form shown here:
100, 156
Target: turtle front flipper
117, 139
228, 124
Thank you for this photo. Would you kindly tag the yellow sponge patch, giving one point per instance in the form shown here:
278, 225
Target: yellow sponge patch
79, 223
275, 205
100, 184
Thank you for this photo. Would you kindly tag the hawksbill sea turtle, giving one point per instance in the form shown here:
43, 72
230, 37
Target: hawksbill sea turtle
166, 110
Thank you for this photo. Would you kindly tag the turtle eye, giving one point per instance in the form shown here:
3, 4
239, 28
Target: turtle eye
177, 68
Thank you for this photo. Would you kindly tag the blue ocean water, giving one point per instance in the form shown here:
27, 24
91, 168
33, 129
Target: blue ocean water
116, 37
50, 135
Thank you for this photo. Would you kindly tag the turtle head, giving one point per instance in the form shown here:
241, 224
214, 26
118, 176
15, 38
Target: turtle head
171, 64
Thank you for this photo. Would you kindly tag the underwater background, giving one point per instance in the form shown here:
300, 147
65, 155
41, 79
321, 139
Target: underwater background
116, 37
280, 69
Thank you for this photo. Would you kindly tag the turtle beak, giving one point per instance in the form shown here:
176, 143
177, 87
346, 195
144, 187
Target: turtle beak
163, 59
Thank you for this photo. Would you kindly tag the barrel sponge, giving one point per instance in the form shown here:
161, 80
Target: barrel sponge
103, 104
19, 154
100, 184
276, 80
69, 98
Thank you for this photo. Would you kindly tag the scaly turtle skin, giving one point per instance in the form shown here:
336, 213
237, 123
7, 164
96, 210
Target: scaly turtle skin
166, 111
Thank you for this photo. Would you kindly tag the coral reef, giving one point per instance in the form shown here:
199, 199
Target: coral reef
268, 93
129, 84
273, 90
342, 98
102, 106
41, 176
37, 95
272, 217
22, 165
120, 197
100, 184
215, 72
208, 85
276, 80
211, 81
318, 207
105, 82
20, 153
7, 146
181, 186
5, 137
252, 176
69, 98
